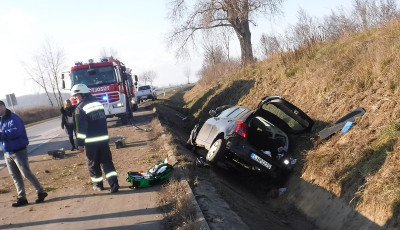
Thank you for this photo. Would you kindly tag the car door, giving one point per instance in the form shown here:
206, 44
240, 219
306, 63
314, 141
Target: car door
210, 128
285, 115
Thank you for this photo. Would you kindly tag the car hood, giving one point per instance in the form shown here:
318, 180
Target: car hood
285, 115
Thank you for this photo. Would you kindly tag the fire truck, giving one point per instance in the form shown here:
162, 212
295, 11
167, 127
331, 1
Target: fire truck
110, 82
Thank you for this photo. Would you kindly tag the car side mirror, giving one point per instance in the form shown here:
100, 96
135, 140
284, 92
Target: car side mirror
212, 113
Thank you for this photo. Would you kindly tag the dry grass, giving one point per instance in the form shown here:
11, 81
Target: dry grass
40, 113
328, 81
177, 206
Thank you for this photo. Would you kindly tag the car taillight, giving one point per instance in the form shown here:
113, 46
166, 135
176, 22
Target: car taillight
241, 128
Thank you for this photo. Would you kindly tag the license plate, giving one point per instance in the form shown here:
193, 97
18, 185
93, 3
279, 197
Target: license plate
261, 161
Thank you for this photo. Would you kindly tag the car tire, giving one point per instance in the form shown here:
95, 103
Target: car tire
216, 151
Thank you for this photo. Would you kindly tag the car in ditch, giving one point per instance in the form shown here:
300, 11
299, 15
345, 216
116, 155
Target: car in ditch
258, 139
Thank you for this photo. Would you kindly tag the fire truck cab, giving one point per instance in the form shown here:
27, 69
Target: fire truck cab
110, 82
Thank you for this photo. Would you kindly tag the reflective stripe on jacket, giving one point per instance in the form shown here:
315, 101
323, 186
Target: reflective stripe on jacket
91, 122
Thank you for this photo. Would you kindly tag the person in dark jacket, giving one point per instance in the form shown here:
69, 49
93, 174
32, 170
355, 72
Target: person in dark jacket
68, 121
92, 136
14, 142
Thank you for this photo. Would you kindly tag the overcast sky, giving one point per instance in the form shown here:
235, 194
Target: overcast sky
136, 29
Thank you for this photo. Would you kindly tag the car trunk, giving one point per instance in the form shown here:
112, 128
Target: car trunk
274, 120
264, 136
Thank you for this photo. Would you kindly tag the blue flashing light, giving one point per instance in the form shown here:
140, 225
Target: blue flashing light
78, 63
104, 60
104, 98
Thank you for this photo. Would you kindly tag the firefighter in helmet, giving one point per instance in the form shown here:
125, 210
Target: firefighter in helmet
92, 136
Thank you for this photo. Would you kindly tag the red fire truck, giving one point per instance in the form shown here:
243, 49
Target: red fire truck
110, 82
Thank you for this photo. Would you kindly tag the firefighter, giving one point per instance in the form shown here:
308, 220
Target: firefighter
92, 136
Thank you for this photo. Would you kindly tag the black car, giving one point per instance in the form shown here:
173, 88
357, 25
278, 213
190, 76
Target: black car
258, 139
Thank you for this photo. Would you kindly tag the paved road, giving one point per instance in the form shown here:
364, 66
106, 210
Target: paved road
44, 137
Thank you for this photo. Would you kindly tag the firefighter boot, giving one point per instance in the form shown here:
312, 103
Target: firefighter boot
114, 188
98, 187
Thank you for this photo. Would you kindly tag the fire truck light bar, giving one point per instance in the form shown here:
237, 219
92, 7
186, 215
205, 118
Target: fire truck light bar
78, 63
104, 60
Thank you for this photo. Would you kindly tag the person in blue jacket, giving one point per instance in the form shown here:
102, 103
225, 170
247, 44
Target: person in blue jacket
14, 142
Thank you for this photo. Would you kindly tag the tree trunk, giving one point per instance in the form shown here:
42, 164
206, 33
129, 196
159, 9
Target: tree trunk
244, 35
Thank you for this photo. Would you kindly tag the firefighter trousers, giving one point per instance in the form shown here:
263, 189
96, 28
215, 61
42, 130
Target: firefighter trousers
99, 155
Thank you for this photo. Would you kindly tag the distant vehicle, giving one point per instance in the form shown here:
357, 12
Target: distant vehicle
110, 82
258, 139
146, 92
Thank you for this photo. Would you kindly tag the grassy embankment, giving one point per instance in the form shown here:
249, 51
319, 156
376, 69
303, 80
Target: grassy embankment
32, 115
327, 81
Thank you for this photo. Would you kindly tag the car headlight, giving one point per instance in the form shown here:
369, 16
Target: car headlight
286, 161
119, 104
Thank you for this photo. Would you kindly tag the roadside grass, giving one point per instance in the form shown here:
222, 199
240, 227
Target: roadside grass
328, 81
178, 208
4, 190
38, 114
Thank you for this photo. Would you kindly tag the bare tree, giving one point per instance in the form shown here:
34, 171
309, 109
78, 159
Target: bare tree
213, 53
53, 60
215, 14
187, 73
37, 74
269, 44
45, 70
148, 76
110, 52
226, 34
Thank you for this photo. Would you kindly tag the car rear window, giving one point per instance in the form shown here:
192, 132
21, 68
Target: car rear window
231, 112
236, 112
144, 87
292, 123
226, 112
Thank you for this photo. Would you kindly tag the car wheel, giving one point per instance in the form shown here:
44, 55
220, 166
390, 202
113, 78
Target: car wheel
216, 150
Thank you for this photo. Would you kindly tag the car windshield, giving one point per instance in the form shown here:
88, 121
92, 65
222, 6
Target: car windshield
101, 75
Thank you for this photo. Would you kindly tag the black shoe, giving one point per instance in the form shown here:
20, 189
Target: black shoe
20, 202
114, 188
41, 196
97, 188
73, 148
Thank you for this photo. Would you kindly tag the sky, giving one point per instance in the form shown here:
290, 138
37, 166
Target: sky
135, 29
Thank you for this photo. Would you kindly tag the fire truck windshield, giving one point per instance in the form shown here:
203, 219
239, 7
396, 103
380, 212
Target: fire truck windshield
94, 76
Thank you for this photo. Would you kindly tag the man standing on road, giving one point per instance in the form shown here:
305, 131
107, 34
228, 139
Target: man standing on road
92, 135
13, 142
